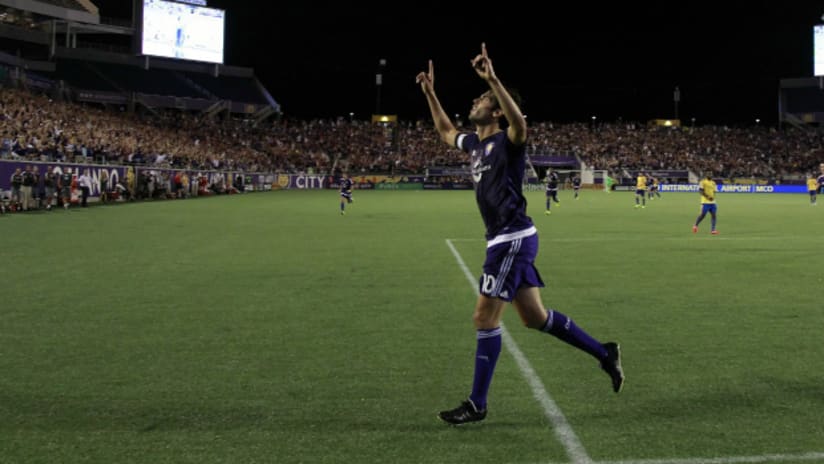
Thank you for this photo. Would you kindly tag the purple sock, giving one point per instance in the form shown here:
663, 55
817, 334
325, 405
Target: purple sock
562, 327
486, 355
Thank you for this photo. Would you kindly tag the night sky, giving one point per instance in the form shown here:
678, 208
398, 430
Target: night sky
614, 61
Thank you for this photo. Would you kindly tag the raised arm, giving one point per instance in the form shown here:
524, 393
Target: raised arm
517, 123
443, 125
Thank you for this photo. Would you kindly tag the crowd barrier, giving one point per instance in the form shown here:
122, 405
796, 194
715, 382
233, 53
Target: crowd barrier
263, 181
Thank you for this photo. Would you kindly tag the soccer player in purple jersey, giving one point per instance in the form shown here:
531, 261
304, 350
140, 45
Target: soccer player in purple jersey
576, 185
552, 190
345, 192
820, 179
509, 273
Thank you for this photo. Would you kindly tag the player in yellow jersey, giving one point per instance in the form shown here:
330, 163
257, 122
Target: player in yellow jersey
653, 188
812, 187
641, 190
707, 188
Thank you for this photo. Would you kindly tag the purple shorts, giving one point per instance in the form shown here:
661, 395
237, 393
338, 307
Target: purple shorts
510, 266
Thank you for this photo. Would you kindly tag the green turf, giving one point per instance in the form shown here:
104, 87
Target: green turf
267, 328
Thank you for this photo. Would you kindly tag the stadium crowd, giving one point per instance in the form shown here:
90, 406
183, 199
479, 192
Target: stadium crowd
36, 127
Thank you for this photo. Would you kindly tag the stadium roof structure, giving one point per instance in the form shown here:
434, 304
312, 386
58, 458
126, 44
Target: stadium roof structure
39, 38
82, 11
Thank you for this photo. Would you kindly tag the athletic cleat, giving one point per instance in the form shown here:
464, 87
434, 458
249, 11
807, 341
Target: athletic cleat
612, 365
548, 212
466, 412
715, 232
694, 229
343, 213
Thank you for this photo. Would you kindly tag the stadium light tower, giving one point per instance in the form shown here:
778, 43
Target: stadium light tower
676, 98
378, 84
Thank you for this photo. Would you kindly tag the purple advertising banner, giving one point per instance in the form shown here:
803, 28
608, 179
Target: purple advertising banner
251, 181
7, 169
301, 181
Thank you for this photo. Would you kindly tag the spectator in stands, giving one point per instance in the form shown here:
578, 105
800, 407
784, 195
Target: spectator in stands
498, 159
131, 183
16, 188
65, 185
122, 190
49, 185
84, 182
184, 185
177, 182
38, 128
27, 188
104, 185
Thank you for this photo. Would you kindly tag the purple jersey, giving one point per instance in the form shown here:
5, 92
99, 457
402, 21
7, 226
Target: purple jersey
498, 174
552, 182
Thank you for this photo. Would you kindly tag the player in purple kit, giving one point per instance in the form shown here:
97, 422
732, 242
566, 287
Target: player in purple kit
820, 179
551, 190
509, 273
345, 192
576, 185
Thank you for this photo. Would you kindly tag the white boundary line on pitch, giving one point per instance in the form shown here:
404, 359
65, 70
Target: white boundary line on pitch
767, 458
563, 431
607, 238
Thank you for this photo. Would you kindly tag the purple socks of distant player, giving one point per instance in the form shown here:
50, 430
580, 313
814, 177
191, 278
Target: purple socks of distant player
562, 327
486, 355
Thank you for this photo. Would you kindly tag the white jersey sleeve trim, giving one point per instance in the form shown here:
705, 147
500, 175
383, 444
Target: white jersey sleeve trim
459, 141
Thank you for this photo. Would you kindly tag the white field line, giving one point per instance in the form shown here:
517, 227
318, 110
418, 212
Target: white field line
766, 458
763, 459
687, 236
563, 431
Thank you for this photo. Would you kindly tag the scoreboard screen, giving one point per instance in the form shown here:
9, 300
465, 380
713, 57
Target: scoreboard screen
818, 49
187, 32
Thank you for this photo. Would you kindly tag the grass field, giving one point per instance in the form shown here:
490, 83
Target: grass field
267, 328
